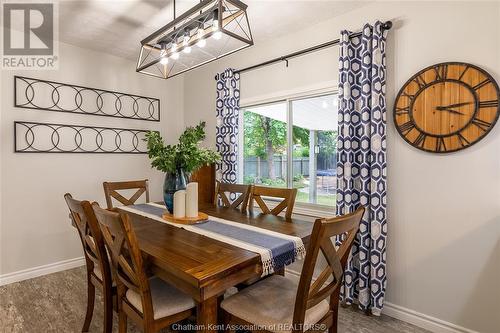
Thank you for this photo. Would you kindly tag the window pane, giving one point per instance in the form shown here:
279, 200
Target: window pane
315, 149
265, 145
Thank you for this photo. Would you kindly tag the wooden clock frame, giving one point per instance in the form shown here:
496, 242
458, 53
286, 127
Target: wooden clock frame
406, 124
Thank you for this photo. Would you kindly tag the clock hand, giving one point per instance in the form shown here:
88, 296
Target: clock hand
453, 105
450, 111
459, 104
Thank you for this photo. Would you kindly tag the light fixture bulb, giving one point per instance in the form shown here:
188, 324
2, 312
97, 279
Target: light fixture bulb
201, 41
164, 60
215, 27
174, 55
185, 43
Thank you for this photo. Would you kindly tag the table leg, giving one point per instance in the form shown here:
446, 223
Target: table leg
207, 315
220, 314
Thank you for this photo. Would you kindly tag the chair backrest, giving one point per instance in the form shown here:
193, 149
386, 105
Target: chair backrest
205, 177
126, 257
287, 194
222, 189
309, 295
84, 219
111, 188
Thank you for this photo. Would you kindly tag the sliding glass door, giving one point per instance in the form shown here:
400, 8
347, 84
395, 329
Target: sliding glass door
304, 128
314, 145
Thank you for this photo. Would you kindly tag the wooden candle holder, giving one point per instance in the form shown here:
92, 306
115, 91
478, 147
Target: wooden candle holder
202, 217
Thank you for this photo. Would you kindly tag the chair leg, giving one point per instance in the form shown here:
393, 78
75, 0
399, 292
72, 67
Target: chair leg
333, 328
148, 327
122, 322
108, 312
227, 322
334, 306
90, 305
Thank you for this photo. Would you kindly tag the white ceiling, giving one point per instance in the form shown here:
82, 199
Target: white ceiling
117, 26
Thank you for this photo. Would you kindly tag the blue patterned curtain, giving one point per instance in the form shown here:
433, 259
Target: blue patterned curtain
228, 109
361, 162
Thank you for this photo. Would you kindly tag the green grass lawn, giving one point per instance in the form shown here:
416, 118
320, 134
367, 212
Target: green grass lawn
326, 200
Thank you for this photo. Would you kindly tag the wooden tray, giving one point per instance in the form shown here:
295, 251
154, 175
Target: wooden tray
202, 217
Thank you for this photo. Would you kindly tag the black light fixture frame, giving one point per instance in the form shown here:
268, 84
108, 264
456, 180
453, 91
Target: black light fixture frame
203, 17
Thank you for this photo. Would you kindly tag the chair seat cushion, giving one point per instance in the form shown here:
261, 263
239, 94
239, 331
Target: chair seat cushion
167, 300
270, 303
98, 274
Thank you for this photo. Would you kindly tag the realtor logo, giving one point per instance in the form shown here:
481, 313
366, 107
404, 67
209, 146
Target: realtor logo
28, 36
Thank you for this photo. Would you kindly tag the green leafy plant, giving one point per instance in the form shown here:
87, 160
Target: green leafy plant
186, 155
278, 182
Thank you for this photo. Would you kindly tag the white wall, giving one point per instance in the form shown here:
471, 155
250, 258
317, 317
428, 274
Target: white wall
35, 228
443, 210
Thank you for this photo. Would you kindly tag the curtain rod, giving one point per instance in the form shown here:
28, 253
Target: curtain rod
385, 26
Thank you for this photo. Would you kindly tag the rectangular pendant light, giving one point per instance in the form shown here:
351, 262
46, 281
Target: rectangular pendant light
210, 30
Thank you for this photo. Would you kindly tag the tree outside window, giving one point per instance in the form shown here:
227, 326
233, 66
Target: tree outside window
313, 145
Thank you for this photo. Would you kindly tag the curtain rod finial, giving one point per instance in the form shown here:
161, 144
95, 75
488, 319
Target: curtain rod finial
387, 25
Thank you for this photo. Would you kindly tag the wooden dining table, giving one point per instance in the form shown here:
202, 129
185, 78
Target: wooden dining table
201, 266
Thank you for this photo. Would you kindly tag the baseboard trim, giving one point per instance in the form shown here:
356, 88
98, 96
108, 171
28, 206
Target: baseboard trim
41, 270
421, 320
424, 321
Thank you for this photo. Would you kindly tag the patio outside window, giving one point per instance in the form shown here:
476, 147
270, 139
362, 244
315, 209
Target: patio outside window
305, 129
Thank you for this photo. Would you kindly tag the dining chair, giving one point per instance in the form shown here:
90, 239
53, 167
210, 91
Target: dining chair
96, 258
148, 301
222, 189
111, 191
282, 304
205, 177
287, 194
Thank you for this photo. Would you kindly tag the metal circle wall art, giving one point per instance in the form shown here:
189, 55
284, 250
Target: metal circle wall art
61, 97
33, 137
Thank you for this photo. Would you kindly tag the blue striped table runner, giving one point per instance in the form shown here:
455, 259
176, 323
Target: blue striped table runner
275, 249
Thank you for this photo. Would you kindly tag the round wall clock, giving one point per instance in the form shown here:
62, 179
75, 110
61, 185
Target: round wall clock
447, 107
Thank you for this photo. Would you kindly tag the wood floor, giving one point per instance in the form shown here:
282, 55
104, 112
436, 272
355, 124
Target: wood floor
56, 303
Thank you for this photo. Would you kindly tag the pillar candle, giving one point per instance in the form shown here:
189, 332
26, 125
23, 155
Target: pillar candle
180, 204
192, 200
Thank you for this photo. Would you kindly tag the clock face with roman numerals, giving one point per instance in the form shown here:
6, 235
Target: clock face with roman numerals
447, 107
